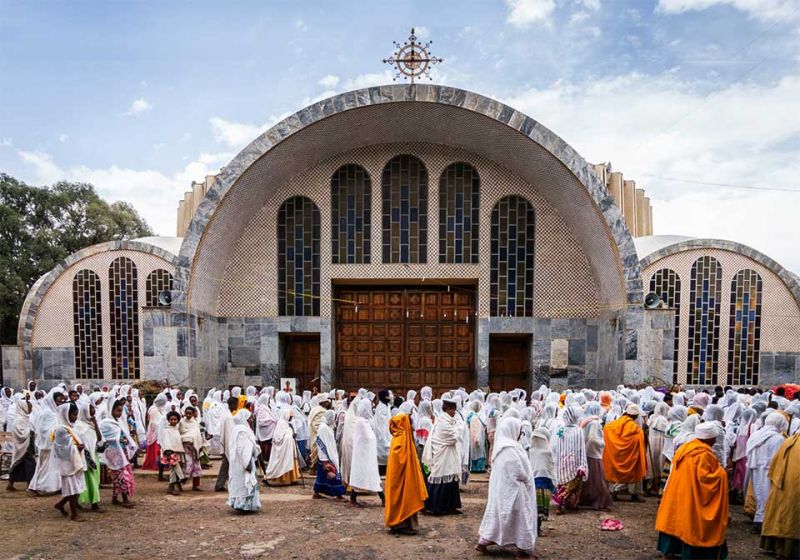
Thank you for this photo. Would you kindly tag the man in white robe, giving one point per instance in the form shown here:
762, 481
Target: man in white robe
510, 515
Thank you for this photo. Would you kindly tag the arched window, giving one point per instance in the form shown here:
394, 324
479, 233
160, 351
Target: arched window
123, 297
87, 320
744, 335
459, 204
404, 187
298, 257
158, 281
513, 230
667, 284
705, 298
351, 196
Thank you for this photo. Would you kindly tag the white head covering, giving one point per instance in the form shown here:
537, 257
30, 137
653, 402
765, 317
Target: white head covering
706, 430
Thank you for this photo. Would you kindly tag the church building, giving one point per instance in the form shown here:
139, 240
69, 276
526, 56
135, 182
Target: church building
410, 235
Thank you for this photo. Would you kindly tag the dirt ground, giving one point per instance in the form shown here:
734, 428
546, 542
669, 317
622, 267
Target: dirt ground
292, 525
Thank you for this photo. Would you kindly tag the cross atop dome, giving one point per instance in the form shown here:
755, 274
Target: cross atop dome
412, 59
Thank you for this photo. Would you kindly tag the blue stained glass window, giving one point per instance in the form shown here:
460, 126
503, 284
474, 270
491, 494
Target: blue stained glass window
704, 317
404, 191
744, 330
298, 257
512, 271
351, 196
87, 326
123, 288
459, 207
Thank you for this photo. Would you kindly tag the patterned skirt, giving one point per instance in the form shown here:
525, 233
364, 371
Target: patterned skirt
544, 493
568, 495
122, 482
326, 485
193, 467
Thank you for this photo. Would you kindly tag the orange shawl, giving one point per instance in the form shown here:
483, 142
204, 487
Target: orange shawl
404, 486
624, 455
694, 507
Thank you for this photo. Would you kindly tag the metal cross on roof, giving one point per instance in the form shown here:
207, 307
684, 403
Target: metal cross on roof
412, 59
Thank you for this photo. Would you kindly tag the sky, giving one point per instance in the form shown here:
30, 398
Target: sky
698, 101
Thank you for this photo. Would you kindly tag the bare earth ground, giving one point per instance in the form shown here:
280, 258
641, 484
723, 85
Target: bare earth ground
292, 525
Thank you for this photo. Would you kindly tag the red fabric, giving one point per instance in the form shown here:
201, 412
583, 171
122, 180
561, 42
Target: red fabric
151, 457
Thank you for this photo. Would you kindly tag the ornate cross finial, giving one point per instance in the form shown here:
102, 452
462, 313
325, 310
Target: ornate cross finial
412, 59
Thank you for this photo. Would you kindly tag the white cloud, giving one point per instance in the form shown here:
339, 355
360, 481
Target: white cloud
590, 4
233, 134
329, 81
523, 13
301, 25
422, 32
139, 106
154, 194
369, 80
759, 9
6, 142
579, 16
654, 128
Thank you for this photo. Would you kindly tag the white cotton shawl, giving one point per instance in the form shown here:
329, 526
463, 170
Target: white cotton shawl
115, 455
265, 419
171, 439
381, 422
569, 448
510, 515
69, 460
281, 458
442, 453
21, 433
241, 451
541, 455
364, 473
326, 445
190, 433
84, 427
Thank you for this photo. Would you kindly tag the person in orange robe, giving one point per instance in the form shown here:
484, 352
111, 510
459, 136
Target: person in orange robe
405, 486
693, 515
624, 458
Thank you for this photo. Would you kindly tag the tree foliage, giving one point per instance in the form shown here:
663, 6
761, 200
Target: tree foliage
41, 226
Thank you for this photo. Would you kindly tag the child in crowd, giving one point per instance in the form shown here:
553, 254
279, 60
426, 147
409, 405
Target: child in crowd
192, 439
68, 452
172, 454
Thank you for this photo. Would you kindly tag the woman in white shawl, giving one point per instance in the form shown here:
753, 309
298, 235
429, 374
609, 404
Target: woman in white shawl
543, 467
569, 453
69, 460
510, 515
6, 404
265, 428
329, 479
154, 415
46, 479
477, 438
87, 431
442, 459
117, 446
23, 463
283, 468
687, 431
761, 448
364, 475
657, 440
595, 492
346, 441
213, 417
242, 450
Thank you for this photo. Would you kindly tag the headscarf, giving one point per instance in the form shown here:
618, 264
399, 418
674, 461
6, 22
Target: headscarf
326, 441
541, 455
775, 423
687, 431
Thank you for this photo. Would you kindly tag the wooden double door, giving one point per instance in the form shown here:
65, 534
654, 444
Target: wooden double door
404, 339
301, 358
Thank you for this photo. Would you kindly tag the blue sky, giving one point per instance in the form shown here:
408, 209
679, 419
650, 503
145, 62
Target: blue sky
140, 98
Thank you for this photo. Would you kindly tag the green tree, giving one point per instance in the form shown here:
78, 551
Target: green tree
41, 226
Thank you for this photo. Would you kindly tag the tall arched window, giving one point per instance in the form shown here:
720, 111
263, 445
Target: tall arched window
459, 205
351, 196
298, 257
158, 281
123, 297
513, 230
744, 335
87, 320
404, 187
667, 284
705, 298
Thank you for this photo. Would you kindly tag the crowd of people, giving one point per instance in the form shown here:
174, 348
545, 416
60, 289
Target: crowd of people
697, 452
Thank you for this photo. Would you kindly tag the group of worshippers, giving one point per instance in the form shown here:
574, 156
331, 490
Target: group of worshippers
699, 452
66, 440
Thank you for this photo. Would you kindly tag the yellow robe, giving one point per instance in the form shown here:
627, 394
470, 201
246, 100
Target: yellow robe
624, 458
405, 487
782, 513
694, 507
